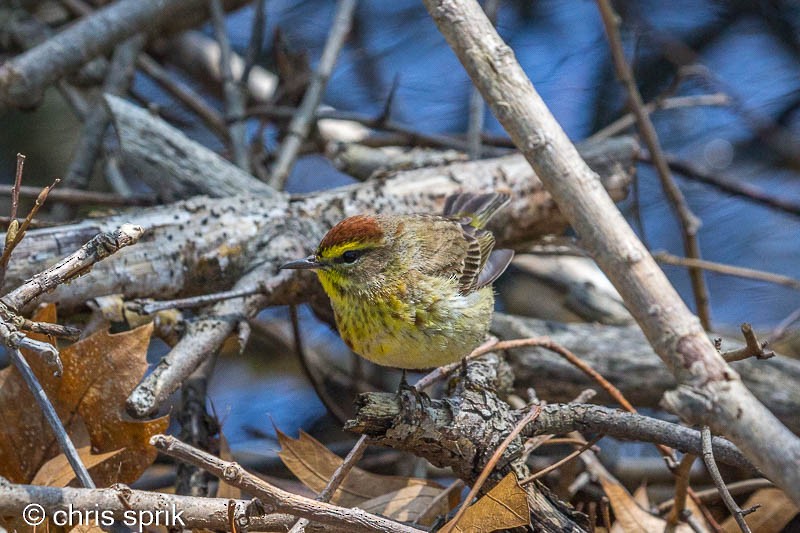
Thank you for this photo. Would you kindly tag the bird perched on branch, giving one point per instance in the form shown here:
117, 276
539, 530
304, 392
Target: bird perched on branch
413, 291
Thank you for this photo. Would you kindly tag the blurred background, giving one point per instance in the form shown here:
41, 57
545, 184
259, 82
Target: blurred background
746, 54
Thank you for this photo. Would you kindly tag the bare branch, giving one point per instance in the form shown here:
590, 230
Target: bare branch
234, 96
64, 442
689, 223
301, 123
729, 270
76, 264
24, 78
275, 499
711, 465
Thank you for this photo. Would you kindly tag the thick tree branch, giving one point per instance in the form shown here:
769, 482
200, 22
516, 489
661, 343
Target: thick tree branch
710, 391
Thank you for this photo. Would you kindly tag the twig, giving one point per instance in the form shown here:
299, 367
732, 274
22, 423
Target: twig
735, 188
681, 488
185, 95
15, 190
301, 122
256, 40
90, 141
711, 465
712, 495
530, 417
728, 270
46, 328
278, 500
753, 347
477, 108
78, 196
689, 223
72, 266
544, 471
148, 307
675, 102
780, 329
52, 418
336, 479
234, 96
16, 232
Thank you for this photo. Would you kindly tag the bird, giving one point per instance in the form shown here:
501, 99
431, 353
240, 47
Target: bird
413, 291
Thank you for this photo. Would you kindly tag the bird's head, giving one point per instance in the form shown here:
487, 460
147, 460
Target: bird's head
352, 255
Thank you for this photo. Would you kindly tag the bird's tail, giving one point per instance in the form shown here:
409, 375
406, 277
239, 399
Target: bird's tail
479, 208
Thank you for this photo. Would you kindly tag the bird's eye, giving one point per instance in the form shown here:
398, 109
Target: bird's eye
350, 256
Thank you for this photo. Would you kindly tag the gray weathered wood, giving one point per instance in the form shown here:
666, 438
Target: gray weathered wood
172, 164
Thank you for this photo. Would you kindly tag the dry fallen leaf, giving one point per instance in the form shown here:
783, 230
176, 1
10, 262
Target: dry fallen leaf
57, 472
99, 373
313, 464
775, 512
409, 504
630, 518
503, 507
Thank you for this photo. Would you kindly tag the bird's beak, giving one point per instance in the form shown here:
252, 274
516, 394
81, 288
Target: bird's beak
309, 263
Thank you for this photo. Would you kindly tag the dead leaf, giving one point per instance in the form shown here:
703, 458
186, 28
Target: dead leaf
630, 518
57, 472
775, 512
503, 507
313, 464
99, 374
409, 504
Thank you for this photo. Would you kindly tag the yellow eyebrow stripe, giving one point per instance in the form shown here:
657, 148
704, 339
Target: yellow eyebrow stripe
339, 249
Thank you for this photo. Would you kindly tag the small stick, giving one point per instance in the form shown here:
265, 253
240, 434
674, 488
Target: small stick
711, 465
728, 270
336, 479
148, 307
729, 186
74, 265
19, 232
278, 500
78, 196
676, 102
487, 470
52, 418
681, 488
17, 186
712, 495
234, 97
46, 328
256, 40
302, 120
753, 348
689, 223
559, 463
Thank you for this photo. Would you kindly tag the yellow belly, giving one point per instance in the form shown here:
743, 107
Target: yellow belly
415, 334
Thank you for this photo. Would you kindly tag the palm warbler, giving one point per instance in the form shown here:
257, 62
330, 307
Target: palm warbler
413, 291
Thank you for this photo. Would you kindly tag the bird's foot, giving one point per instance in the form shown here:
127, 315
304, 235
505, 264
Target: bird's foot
463, 379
